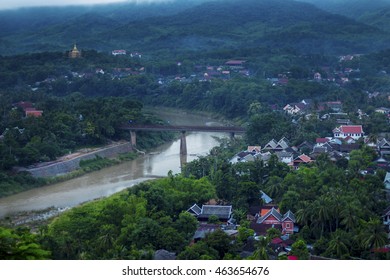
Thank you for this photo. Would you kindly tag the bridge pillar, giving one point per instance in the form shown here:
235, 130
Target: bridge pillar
183, 143
183, 161
133, 138
232, 134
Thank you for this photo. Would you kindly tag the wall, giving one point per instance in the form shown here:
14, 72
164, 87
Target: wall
62, 167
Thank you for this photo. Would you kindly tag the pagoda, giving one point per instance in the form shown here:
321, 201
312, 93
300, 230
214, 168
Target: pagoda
74, 53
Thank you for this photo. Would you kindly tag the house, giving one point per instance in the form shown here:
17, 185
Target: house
32, 112
118, 52
294, 108
265, 157
235, 64
254, 149
335, 106
29, 110
302, 159
282, 145
270, 145
244, 156
203, 230
223, 212
136, 54
386, 181
349, 140
383, 147
285, 157
273, 218
343, 131
305, 146
321, 141
383, 110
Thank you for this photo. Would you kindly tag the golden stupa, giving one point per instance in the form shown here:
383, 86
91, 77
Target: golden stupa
75, 53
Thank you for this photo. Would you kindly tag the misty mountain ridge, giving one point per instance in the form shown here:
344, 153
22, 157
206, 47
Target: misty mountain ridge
195, 26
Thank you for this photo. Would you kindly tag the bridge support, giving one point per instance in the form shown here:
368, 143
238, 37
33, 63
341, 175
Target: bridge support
183, 161
232, 134
133, 138
183, 143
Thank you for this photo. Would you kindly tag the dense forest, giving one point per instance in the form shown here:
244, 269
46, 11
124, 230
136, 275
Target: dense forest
293, 54
176, 28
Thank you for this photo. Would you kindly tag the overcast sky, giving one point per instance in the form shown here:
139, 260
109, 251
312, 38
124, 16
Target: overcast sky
11, 4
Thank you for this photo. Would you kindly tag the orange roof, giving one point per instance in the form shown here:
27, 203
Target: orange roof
305, 158
264, 211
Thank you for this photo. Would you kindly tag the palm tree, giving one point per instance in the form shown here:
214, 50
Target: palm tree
374, 234
337, 246
302, 215
349, 216
261, 253
321, 212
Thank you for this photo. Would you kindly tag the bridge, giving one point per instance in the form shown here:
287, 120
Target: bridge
180, 128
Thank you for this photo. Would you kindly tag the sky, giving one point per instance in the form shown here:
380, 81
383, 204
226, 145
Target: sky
12, 4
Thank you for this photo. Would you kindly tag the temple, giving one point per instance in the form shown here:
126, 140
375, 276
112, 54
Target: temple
74, 53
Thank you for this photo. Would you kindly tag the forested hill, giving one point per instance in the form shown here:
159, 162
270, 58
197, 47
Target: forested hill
373, 12
211, 25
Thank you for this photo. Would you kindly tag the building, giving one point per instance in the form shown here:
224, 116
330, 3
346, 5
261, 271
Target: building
75, 53
223, 212
118, 52
343, 131
272, 218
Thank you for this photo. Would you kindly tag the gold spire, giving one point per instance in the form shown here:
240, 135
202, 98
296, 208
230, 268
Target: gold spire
75, 53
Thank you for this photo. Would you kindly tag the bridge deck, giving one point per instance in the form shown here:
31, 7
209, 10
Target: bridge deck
232, 129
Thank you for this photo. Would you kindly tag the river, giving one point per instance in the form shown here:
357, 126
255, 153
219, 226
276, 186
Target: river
156, 163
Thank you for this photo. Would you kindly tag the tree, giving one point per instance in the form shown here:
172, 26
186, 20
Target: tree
350, 215
262, 250
244, 233
338, 245
20, 244
373, 234
186, 224
219, 241
198, 251
299, 249
273, 233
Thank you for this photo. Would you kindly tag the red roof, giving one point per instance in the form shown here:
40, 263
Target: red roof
276, 240
33, 113
354, 129
322, 140
292, 258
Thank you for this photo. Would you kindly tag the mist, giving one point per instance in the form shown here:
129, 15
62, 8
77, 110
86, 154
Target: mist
9, 4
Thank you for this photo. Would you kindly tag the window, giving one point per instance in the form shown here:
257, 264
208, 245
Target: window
288, 225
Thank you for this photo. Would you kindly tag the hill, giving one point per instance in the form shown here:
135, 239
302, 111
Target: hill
375, 12
204, 27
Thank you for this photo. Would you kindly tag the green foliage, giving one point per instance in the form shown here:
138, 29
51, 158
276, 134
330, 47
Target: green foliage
10, 184
20, 244
130, 222
299, 249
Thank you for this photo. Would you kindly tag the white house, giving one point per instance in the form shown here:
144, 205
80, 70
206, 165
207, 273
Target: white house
344, 131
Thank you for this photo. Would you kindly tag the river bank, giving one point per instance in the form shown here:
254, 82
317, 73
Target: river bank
71, 162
